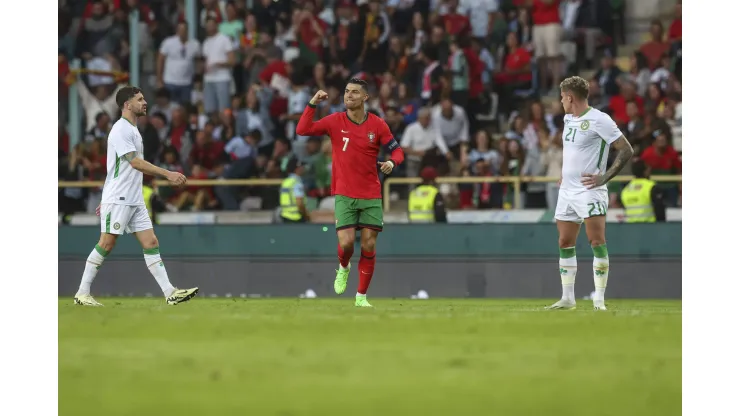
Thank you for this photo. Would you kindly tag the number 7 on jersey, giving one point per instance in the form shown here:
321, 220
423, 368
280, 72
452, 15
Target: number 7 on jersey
346, 142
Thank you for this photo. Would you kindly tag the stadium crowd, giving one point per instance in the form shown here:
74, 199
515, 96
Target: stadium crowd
469, 87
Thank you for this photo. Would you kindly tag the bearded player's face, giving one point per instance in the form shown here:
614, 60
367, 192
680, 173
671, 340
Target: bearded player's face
354, 97
138, 105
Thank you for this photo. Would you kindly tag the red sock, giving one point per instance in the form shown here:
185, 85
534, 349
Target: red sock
345, 255
367, 267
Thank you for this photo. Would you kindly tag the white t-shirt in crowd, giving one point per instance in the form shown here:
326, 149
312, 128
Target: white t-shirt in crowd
179, 63
123, 183
216, 50
586, 141
478, 12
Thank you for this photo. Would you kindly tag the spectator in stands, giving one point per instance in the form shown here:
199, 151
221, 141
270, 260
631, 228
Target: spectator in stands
663, 159
516, 73
231, 26
256, 116
535, 122
452, 122
639, 72
512, 166
96, 39
484, 151
516, 129
608, 75
594, 25
197, 197
101, 129
102, 101
218, 51
418, 33
408, 105
422, 142
176, 64
674, 30
431, 77
485, 195
533, 166
635, 130
662, 74
661, 156
208, 154
163, 105
313, 154
322, 169
546, 34
159, 122
456, 23
281, 154
459, 74
656, 47
618, 103
596, 98
298, 98
655, 100
551, 157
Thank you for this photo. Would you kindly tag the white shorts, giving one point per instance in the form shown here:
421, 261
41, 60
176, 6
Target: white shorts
575, 207
115, 219
546, 39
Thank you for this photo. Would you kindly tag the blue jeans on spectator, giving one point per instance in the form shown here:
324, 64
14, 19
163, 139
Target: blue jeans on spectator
181, 94
229, 195
217, 96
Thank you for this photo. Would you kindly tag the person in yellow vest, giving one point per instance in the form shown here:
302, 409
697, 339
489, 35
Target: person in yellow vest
292, 196
642, 200
151, 198
426, 204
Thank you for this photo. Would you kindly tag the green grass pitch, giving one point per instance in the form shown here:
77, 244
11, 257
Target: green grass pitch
291, 357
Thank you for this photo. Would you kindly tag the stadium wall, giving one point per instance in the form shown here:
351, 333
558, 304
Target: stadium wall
453, 260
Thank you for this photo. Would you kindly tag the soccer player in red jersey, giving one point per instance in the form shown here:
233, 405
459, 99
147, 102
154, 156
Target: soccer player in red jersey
356, 137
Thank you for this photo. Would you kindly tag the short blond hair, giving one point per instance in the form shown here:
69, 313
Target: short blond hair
576, 86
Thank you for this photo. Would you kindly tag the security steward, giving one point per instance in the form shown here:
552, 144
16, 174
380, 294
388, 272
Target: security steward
426, 204
642, 200
152, 200
292, 195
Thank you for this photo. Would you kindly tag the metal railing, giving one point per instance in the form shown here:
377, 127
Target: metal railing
516, 181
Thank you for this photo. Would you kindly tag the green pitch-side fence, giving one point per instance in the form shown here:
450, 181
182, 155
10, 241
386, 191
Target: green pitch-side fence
645, 241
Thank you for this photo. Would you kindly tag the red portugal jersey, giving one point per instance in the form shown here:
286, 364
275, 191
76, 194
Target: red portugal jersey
355, 149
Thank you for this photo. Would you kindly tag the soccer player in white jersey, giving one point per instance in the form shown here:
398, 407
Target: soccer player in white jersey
583, 196
122, 207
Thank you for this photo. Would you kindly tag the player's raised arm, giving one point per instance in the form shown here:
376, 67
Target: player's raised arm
306, 126
145, 167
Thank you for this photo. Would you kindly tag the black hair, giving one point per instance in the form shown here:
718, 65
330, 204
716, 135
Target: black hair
361, 82
639, 168
125, 94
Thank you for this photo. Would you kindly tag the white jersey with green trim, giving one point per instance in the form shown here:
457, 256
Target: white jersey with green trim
586, 141
123, 185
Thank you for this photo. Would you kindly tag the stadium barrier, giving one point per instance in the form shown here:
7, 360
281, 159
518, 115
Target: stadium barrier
516, 181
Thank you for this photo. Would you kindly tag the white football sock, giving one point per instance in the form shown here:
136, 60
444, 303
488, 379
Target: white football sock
601, 271
94, 261
156, 268
568, 269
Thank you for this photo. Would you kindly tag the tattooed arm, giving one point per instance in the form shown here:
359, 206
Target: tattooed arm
147, 168
624, 154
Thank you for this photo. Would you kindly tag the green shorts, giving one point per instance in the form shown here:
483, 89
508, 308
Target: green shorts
358, 213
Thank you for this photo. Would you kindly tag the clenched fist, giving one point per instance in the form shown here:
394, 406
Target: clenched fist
319, 97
